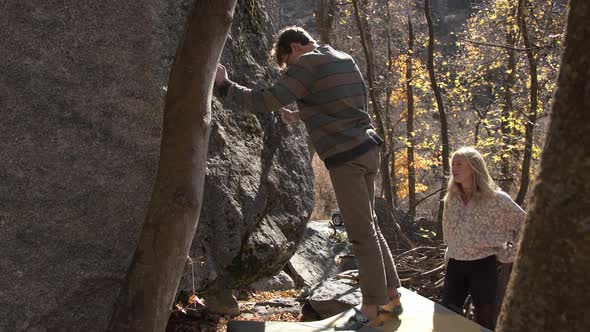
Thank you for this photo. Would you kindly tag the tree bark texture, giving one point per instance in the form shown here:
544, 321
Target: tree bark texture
444, 135
506, 167
549, 287
324, 16
534, 102
390, 127
385, 174
146, 299
410, 124
507, 113
376, 107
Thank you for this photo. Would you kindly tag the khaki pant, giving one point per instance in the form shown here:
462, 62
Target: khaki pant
354, 186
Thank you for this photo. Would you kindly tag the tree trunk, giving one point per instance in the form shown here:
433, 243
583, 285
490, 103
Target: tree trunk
532, 116
549, 286
376, 107
386, 185
410, 124
146, 298
506, 168
324, 16
442, 116
390, 126
507, 114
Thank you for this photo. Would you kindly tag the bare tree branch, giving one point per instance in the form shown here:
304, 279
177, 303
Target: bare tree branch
496, 45
421, 200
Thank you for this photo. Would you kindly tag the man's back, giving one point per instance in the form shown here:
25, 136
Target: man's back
332, 99
335, 109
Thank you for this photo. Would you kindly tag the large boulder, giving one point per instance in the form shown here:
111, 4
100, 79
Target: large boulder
317, 256
81, 95
335, 295
259, 185
279, 282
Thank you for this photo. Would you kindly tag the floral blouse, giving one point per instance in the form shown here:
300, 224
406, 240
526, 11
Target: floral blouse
482, 227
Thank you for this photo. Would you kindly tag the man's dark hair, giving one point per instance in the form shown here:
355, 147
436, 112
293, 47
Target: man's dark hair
288, 35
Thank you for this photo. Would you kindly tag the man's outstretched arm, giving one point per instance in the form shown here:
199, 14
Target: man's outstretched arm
294, 85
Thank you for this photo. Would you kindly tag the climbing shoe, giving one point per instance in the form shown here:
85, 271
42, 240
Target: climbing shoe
393, 307
354, 323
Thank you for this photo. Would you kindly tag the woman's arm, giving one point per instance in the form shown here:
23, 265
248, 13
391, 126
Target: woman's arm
511, 222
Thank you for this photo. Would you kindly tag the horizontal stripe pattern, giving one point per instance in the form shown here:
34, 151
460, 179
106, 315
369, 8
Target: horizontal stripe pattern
337, 79
335, 93
351, 136
319, 120
330, 93
357, 102
338, 67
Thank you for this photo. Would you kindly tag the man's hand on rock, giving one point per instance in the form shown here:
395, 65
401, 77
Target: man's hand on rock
289, 117
221, 75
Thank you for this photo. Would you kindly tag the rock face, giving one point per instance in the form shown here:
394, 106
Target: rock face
333, 296
259, 185
81, 96
281, 281
300, 13
315, 259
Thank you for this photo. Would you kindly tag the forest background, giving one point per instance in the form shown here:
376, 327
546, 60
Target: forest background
441, 75
107, 120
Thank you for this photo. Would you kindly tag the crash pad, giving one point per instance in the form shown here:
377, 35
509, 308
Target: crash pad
420, 315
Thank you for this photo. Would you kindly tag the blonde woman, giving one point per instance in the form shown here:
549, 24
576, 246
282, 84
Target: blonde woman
481, 226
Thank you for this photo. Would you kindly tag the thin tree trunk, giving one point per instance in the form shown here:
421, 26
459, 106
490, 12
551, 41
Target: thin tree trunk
364, 15
410, 124
507, 112
324, 16
532, 116
386, 185
506, 168
442, 116
390, 126
549, 286
376, 106
146, 298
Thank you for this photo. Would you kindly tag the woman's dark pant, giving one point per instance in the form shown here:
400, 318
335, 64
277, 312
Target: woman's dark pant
478, 278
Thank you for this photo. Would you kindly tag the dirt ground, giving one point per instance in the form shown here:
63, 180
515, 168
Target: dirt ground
420, 269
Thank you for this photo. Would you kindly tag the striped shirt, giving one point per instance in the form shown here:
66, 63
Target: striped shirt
482, 227
331, 96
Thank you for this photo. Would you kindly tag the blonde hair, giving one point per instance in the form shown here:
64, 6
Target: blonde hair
483, 184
